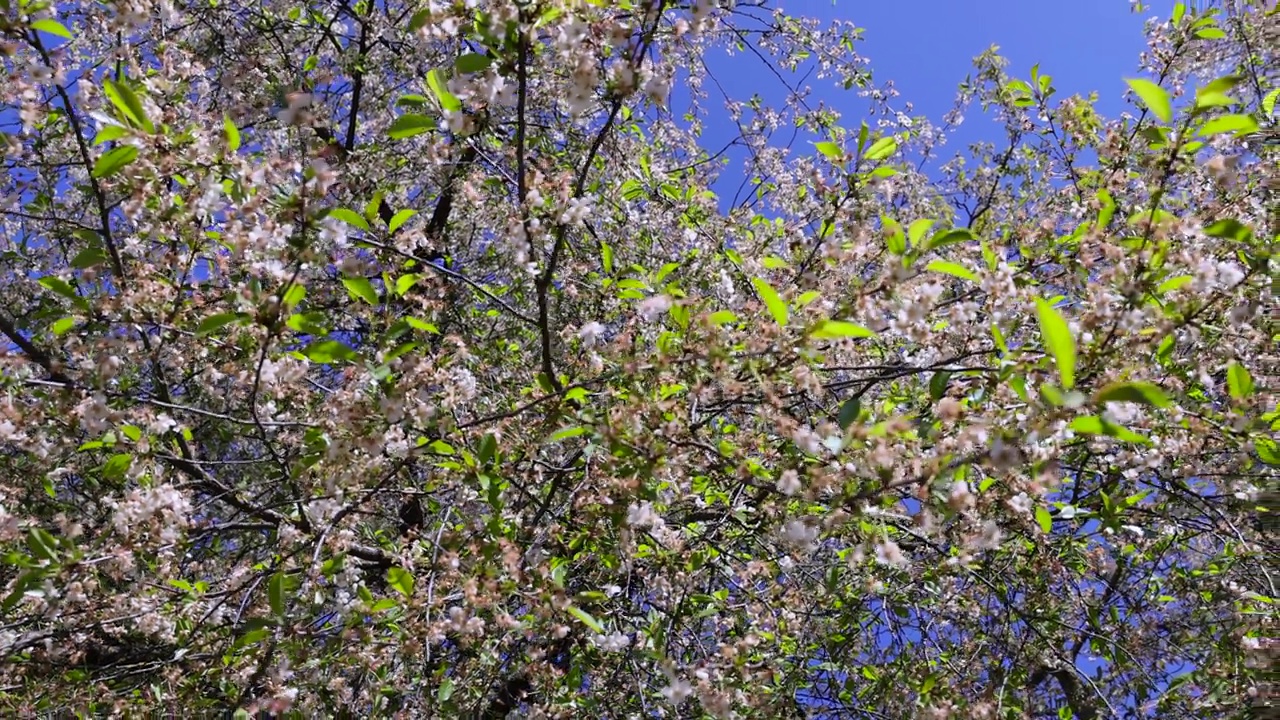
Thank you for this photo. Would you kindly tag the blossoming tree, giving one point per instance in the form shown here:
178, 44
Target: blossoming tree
395, 358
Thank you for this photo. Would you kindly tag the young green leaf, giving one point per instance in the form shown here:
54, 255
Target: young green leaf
1044, 519
213, 323
350, 217
1058, 341
410, 124
400, 218
276, 593
360, 287
829, 149
586, 619
1239, 382
837, 329
849, 411
777, 307
949, 237
114, 160
400, 580
1141, 392
232, 132
1154, 97
472, 63
918, 229
881, 149
1238, 124
51, 26
952, 269
128, 103
439, 87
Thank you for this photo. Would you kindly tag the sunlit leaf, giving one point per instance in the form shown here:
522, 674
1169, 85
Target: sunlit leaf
1144, 393
350, 217
1154, 97
232, 133
51, 26
410, 124
777, 307
114, 160
360, 287
1058, 341
1239, 382
881, 149
837, 329
950, 268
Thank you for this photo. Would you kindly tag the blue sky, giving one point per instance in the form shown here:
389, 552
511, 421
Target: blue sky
927, 47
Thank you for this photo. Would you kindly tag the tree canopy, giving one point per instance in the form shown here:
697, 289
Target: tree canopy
413, 358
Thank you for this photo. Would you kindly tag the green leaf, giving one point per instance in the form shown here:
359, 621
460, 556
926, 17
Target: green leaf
722, 317
1154, 97
61, 327
897, 238
950, 268
831, 150
404, 282
836, 329
114, 160
772, 301
410, 124
294, 295
117, 466
419, 20
123, 97
1058, 342
89, 257
1173, 283
232, 132
1238, 124
445, 691
325, 352
51, 26
918, 229
1211, 33
1107, 209
401, 580
472, 63
881, 149
950, 237
1269, 102
1141, 392
422, 325
359, 287
63, 288
1044, 519
938, 384
1228, 228
42, 544
213, 323
109, 133
1268, 451
399, 219
437, 82
586, 619
849, 411
276, 593
350, 217
1239, 382
1095, 425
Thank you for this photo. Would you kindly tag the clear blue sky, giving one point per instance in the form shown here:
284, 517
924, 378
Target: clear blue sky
927, 46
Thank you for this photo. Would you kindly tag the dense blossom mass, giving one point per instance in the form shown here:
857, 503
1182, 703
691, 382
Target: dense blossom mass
427, 358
